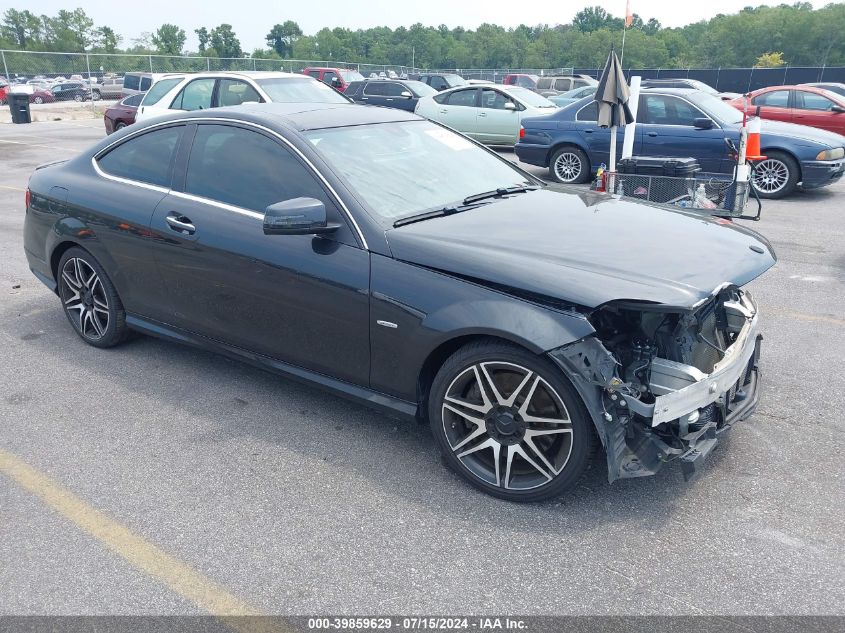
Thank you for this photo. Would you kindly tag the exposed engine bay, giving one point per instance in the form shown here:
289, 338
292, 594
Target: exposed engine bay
669, 380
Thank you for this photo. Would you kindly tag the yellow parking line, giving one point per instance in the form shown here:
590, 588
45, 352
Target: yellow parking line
139, 553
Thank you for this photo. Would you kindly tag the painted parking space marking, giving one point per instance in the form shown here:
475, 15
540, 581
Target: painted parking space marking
67, 149
133, 548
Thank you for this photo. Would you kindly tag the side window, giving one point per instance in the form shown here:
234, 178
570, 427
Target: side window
682, 112
376, 89
314, 73
578, 83
146, 82
146, 158
159, 89
131, 82
666, 110
246, 169
462, 98
589, 112
774, 99
393, 89
328, 76
813, 101
438, 83
195, 96
544, 83
563, 85
493, 99
235, 92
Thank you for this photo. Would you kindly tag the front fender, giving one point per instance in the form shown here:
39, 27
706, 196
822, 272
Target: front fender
415, 311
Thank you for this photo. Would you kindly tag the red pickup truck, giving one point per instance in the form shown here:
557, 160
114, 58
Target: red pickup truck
337, 78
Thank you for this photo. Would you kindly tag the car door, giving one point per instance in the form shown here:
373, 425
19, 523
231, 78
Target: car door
302, 299
495, 124
375, 93
597, 139
668, 129
135, 175
459, 110
774, 105
195, 95
232, 92
816, 110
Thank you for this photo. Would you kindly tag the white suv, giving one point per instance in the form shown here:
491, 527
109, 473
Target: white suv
201, 91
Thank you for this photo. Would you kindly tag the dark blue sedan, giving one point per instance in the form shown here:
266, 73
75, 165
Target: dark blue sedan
392, 93
680, 123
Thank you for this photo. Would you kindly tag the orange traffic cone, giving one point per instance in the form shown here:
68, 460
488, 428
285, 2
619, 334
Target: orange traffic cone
752, 151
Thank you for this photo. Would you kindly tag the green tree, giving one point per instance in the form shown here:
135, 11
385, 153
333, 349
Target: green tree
69, 31
283, 36
224, 41
594, 18
203, 37
770, 60
169, 39
106, 40
22, 28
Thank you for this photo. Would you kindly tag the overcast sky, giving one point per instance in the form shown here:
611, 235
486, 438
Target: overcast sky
252, 19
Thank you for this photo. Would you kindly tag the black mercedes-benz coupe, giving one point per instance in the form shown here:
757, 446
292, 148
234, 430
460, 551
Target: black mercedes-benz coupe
394, 261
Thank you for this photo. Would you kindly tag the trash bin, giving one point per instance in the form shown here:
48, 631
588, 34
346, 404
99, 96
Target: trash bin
19, 104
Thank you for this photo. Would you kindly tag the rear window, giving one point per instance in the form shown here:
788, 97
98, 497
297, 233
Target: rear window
131, 82
146, 158
159, 89
134, 100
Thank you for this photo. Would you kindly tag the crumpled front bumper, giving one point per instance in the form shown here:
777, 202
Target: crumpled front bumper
705, 405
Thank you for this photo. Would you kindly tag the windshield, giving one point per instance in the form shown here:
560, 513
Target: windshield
401, 169
455, 80
530, 98
698, 85
351, 75
715, 107
299, 90
420, 88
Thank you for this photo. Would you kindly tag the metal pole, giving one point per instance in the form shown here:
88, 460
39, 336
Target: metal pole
253, 63
208, 63
151, 63
5, 69
90, 87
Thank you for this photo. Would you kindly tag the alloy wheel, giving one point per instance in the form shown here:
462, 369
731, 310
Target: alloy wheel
38, 100
82, 293
568, 167
771, 175
507, 425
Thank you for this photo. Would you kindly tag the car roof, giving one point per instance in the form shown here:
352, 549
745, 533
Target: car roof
300, 116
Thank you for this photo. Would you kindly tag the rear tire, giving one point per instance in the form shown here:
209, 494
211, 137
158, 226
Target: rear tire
776, 176
120, 125
78, 98
509, 423
89, 299
38, 100
569, 165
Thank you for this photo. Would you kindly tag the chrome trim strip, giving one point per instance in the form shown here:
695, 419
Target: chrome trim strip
126, 181
296, 150
221, 205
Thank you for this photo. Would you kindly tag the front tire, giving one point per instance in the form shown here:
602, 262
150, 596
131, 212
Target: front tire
89, 299
776, 176
569, 165
38, 100
509, 423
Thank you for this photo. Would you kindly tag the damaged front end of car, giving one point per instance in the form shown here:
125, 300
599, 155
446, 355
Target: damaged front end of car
662, 383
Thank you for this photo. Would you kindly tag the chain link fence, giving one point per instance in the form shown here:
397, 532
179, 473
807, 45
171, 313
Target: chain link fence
55, 66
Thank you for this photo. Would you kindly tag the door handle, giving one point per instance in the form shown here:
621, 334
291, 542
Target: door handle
651, 133
482, 114
443, 111
588, 131
180, 224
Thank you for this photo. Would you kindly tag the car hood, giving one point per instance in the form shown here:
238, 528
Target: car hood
586, 249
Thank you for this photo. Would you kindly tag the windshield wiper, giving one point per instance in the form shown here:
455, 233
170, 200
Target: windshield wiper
501, 191
449, 209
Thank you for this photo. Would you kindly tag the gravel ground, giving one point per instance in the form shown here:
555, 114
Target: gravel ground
297, 502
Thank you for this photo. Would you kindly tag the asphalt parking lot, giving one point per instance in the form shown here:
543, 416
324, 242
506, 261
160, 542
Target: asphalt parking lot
246, 491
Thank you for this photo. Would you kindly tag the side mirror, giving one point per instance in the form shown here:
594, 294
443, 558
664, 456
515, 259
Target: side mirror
407, 95
510, 105
299, 216
335, 81
837, 109
703, 123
